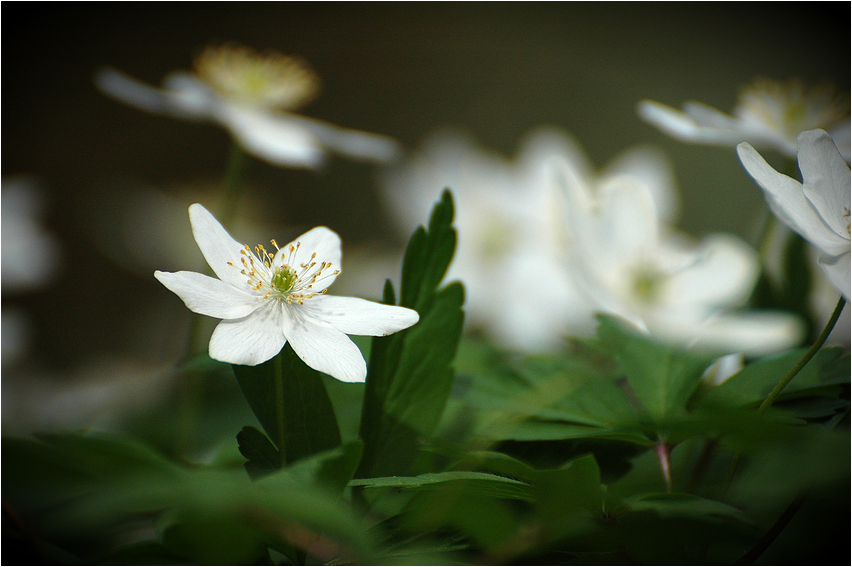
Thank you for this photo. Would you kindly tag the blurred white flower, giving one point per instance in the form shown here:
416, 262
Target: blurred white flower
818, 208
509, 216
723, 368
30, 253
630, 264
30, 258
267, 299
507, 220
254, 97
769, 113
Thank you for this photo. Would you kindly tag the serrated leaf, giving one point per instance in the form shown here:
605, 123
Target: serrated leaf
662, 377
263, 457
310, 424
410, 373
545, 398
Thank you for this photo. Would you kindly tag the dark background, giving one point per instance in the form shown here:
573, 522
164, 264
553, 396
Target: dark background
497, 70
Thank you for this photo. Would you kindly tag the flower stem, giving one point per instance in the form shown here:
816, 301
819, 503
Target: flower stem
770, 399
776, 391
234, 186
278, 370
663, 451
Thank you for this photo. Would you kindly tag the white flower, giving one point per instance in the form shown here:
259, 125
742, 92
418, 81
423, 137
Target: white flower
253, 96
30, 252
31, 258
266, 299
818, 208
512, 233
507, 254
631, 265
769, 113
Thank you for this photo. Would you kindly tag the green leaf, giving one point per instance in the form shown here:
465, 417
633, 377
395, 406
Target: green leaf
263, 457
674, 505
486, 484
662, 377
750, 386
410, 372
546, 398
330, 469
310, 424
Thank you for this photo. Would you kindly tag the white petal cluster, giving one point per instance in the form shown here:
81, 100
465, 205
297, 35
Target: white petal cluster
818, 208
768, 114
253, 97
266, 299
545, 242
629, 262
507, 218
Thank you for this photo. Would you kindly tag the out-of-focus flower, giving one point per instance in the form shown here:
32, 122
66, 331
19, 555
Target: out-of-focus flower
30, 258
507, 254
629, 264
30, 253
267, 299
769, 113
723, 368
253, 96
818, 208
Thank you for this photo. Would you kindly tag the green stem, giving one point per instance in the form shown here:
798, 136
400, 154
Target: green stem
773, 395
755, 552
279, 409
234, 185
770, 399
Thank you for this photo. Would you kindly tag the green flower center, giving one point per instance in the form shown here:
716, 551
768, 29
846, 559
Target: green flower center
284, 278
647, 284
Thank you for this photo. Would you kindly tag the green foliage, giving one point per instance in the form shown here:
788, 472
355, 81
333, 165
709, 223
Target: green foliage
108, 484
662, 377
263, 457
544, 459
305, 402
410, 373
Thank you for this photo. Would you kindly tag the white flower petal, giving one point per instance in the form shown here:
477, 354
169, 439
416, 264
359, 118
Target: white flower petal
708, 117
209, 296
130, 91
723, 274
190, 97
322, 347
842, 136
275, 137
217, 246
353, 143
629, 225
186, 101
323, 242
753, 334
837, 270
355, 316
650, 167
787, 200
683, 126
251, 340
826, 179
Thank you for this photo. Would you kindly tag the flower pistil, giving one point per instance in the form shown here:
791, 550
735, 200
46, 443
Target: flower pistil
283, 278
